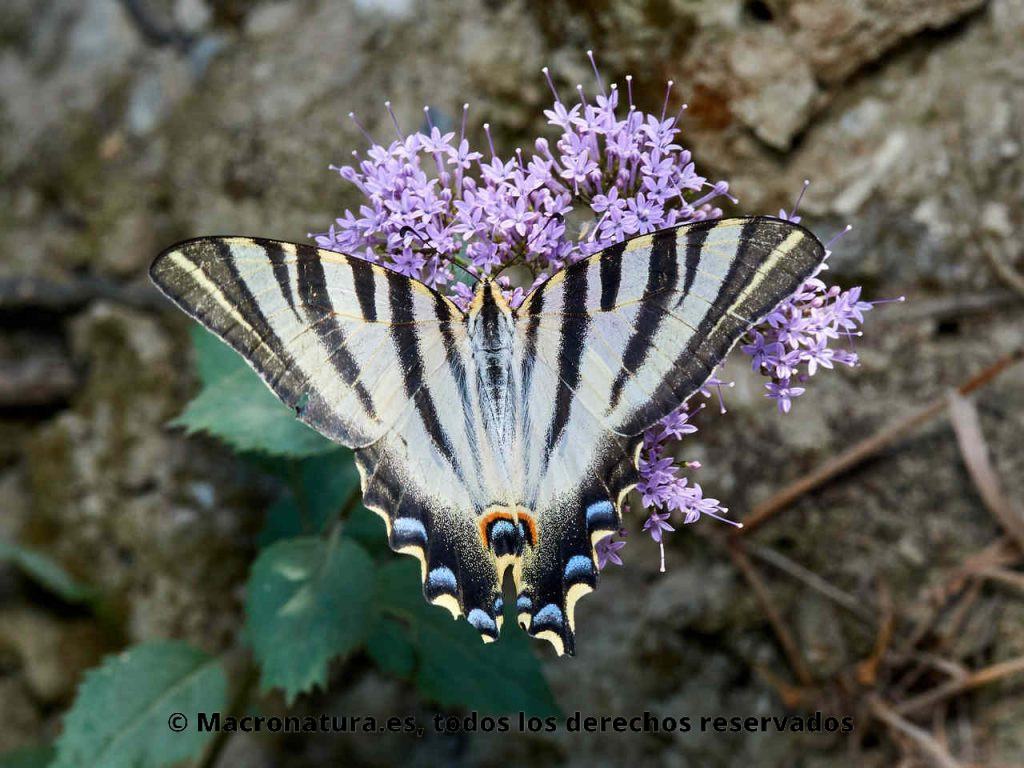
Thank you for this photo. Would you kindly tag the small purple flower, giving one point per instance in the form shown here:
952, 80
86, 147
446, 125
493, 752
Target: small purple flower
793, 342
782, 392
607, 550
656, 523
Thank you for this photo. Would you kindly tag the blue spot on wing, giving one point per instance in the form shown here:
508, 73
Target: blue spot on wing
503, 538
549, 614
601, 514
484, 623
524, 604
442, 579
502, 528
409, 528
578, 567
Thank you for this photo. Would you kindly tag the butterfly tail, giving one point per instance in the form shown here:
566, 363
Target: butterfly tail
457, 573
562, 565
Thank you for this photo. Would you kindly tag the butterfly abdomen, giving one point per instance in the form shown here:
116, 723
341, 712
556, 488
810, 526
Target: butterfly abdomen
491, 329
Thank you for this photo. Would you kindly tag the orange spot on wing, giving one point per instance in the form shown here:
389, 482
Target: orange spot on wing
531, 524
485, 523
491, 517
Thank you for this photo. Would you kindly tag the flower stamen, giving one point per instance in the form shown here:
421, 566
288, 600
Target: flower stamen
362, 130
394, 120
593, 64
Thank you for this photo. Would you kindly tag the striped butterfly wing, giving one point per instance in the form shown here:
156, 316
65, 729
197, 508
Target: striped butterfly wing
608, 347
373, 360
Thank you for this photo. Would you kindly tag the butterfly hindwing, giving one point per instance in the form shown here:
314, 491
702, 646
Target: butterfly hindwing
609, 346
457, 572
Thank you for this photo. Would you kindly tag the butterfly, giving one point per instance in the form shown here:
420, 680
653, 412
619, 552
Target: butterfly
494, 438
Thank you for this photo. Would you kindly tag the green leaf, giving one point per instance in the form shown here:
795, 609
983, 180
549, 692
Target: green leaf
39, 756
456, 668
121, 713
308, 600
325, 485
283, 521
235, 406
319, 488
390, 648
368, 529
214, 359
46, 572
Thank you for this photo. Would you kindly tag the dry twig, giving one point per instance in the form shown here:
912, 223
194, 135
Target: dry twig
964, 417
867, 670
1002, 267
961, 685
940, 757
813, 581
1004, 576
789, 645
995, 554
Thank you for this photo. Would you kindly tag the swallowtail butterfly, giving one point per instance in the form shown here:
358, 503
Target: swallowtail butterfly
496, 437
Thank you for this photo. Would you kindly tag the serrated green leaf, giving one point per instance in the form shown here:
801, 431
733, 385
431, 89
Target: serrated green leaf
308, 600
121, 713
45, 571
241, 411
455, 668
28, 757
235, 406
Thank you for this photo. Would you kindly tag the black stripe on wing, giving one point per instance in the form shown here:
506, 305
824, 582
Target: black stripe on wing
365, 286
406, 341
201, 277
570, 349
611, 276
320, 314
279, 259
735, 308
533, 308
662, 274
445, 317
696, 235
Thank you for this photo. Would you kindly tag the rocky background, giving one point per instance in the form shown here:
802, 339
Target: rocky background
125, 126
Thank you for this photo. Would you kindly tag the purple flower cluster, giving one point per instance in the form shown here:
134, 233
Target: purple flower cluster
793, 342
440, 212
626, 170
660, 486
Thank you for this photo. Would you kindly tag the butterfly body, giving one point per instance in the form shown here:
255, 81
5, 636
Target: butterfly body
492, 335
494, 439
